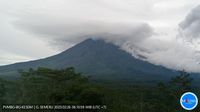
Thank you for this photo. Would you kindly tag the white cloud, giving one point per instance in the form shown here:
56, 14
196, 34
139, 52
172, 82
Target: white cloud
173, 53
6, 58
190, 27
149, 27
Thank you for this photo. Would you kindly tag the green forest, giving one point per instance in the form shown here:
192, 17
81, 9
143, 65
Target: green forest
67, 87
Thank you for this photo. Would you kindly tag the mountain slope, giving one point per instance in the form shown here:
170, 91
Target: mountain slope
98, 59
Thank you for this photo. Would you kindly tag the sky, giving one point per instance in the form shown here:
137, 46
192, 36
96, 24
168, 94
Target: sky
162, 32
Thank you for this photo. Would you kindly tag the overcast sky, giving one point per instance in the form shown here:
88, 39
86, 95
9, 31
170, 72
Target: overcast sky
166, 32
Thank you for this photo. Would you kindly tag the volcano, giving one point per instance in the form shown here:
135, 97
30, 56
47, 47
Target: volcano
98, 59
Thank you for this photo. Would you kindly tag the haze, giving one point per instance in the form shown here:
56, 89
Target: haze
164, 32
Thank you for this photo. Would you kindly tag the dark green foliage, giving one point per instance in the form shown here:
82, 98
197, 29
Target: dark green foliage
47, 86
2, 91
165, 97
183, 81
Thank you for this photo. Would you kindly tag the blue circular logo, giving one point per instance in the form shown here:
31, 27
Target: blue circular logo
189, 101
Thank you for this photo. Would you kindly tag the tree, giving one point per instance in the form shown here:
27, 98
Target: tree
2, 92
48, 86
182, 82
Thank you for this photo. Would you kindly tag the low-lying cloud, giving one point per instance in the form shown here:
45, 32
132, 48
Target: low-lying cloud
149, 30
139, 39
190, 27
71, 31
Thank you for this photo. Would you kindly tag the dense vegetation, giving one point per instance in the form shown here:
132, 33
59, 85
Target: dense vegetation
47, 86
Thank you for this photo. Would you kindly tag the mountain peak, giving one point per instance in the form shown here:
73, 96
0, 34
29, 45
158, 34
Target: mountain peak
97, 58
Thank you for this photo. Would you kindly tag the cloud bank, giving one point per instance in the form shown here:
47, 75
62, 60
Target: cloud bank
140, 27
70, 31
190, 27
